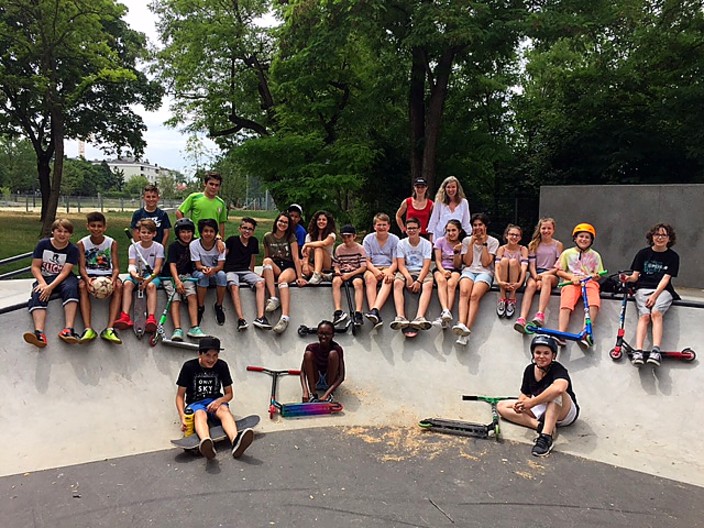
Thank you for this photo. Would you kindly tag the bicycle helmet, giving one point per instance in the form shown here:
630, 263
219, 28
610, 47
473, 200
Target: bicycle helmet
184, 224
584, 228
544, 340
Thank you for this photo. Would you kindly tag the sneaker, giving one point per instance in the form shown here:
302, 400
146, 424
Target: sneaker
262, 322
87, 336
637, 358
316, 278
201, 311
326, 276
399, 323
338, 317
543, 446
313, 398
420, 323
461, 329
520, 325
196, 333
281, 326
374, 317
242, 325
585, 343
438, 323
123, 322
219, 314
109, 334
69, 335
272, 304
538, 319
177, 335
330, 398
462, 340
501, 307
510, 308
655, 357
446, 317
242, 441
150, 324
358, 319
36, 338
207, 449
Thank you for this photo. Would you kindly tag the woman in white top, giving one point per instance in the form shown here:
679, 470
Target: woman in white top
317, 251
450, 203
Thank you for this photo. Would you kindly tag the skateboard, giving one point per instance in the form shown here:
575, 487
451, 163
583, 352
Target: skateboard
140, 308
410, 332
217, 434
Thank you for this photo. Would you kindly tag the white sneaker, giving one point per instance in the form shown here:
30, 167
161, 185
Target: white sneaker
316, 278
462, 340
446, 317
439, 323
461, 329
272, 304
399, 323
281, 326
421, 323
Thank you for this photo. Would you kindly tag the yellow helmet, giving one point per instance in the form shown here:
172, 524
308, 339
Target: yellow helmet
584, 228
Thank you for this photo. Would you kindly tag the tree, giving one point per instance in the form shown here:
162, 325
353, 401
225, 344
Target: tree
68, 70
17, 165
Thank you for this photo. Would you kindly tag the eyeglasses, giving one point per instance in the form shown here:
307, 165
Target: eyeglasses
661, 235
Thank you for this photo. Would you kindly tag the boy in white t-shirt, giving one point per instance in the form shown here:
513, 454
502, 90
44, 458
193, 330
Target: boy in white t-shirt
209, 262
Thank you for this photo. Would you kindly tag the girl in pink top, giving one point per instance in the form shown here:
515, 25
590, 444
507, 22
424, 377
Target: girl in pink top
543, 252
417, 206
446, 275
510, 273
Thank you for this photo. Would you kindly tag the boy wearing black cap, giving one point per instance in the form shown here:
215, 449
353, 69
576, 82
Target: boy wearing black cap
199, 389
349, 263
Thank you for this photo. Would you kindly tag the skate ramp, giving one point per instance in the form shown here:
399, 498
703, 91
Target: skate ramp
64, 405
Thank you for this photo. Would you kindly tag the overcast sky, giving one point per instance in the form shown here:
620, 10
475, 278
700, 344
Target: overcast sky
165, 146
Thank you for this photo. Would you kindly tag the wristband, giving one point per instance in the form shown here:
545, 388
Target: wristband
132, 268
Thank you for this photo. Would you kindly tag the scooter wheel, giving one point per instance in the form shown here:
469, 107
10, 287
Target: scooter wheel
688, 354
303, 330
530, 329
615, 355
153, 340
272, 411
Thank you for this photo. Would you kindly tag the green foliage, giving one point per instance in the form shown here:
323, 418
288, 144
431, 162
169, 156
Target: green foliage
135, 184
18, 165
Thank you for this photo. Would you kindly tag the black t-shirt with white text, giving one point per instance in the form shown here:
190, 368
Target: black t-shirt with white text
653, 266
202, 383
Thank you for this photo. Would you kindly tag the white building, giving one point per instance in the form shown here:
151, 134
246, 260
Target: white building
129, 167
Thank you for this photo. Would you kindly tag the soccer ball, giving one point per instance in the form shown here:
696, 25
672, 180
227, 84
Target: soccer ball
102, 287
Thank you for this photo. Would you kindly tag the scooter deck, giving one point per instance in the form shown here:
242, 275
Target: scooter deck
292, 410
457, 427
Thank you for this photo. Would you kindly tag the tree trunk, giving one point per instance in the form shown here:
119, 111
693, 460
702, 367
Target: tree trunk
416, 112
52, 204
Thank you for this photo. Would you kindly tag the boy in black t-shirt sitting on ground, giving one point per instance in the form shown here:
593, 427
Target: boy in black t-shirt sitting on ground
653, 268
199, 387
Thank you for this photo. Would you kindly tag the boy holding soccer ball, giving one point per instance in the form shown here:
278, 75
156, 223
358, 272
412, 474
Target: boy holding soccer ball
97, 257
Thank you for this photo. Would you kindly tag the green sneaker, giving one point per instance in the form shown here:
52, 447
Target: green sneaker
177, 335
109, 334
196, 333
87, 336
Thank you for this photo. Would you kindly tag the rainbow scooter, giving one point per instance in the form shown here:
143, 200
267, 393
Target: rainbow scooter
291, 410
585, 338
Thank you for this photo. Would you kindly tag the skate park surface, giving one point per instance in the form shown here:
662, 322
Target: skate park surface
86, 429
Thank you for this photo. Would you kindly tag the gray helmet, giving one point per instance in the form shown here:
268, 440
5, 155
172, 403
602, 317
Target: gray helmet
544, 340
184, 224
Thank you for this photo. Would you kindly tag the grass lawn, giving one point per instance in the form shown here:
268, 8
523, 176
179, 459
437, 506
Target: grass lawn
20, 231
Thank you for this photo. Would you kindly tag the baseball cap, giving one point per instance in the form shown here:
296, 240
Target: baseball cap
209, 343
295, 207
420, 181
348, 229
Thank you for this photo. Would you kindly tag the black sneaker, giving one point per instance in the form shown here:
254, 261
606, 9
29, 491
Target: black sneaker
375, 317
201, 311
313, 398
338, 317
543, 446
358, 319
219, 314
242, 325
242, 441
262, 322
207, 449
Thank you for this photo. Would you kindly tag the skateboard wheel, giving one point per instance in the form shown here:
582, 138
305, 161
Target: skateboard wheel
303, 330
689, 354
614, 354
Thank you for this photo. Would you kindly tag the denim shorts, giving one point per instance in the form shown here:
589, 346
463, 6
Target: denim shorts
482, 276
202, 405
219, 279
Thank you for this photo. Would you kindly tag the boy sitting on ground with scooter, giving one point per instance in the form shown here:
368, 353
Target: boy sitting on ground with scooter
323, 366
573, 265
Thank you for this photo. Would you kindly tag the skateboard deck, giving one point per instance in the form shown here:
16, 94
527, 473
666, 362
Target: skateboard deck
410, 332
217, 433
140, 308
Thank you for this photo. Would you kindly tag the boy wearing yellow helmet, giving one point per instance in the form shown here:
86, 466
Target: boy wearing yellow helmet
574, 264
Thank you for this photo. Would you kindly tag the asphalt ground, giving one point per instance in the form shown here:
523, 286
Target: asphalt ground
349, 477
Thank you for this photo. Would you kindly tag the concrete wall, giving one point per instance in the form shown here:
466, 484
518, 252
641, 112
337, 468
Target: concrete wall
622, 214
